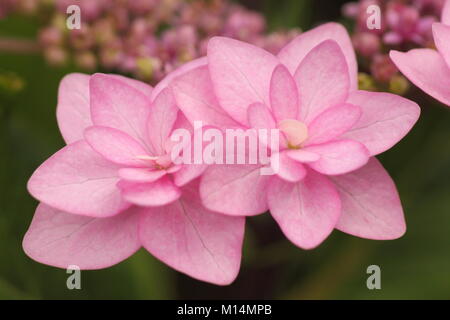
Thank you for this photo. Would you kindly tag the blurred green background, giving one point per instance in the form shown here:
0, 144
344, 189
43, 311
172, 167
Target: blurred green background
414, 267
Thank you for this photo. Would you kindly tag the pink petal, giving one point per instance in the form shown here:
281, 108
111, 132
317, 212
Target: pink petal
73, 111
307, 211
284, 99
302, 156
184, 68
386, 119
141, 174
117, 105
441, 34
115, 146
187, 173
161, 120
286, 168
332, 123
138, 85
294, 52
155, 194
78, 180
371, 206
61, 239
445, 18
426, 69
339, 157
234, 189
322, 79
260, 117
194, 94
191, 239
241, 75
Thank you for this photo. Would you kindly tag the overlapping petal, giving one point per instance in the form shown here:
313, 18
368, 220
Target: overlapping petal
234, 189
295, 51
191, 239
78, 180
322, 80
73, 110
371, 207
306, 211
60, 239
241, 75
117, 105
386, 119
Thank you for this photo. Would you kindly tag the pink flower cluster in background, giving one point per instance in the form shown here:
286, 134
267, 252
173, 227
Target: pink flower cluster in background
405, 24
146, 38
429, 68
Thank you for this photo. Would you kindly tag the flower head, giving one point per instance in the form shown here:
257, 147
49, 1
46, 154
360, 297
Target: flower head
114, 187
327, 175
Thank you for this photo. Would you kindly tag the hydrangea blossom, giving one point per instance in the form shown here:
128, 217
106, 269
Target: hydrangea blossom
404, 24
114, 188
328, 177
429, 68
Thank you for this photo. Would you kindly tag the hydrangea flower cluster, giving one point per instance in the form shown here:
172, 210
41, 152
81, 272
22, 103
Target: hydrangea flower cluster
405, 24
429, 68
113, 188
147, 38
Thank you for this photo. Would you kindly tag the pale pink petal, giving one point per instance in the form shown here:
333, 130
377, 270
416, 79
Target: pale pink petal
302, 156
332, 123
191, 239
441, 35
306, 211
445, 18
371, 206
260, 117
155, 194
78, 180
187, 173
234, 189
139, 85
338, 157
116, 146
141, 174
161, 120
284, 98
286, 168
322, 80
73, 110
241, 75
386, 119
295, 51
194, 94
61, 239
426, 69
117, 105
184, 68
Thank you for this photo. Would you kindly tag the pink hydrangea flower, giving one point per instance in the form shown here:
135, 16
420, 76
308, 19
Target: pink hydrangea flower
113, 188
328, 176
427, 68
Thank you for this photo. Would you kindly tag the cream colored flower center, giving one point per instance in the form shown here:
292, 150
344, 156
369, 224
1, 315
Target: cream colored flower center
295, 132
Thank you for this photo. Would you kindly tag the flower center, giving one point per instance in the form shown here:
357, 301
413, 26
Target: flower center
295, 132
159, 163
